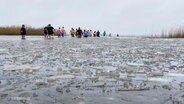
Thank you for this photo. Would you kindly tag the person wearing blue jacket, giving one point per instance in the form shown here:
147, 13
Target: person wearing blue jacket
85, 34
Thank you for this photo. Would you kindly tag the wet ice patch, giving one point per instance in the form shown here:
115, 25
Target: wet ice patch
62, 77
3, 50
22, 68
175, 75
62, 68
159, 79
109, 68
110, 98
135, 64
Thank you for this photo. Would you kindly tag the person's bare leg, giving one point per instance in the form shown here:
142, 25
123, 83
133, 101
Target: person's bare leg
52, 36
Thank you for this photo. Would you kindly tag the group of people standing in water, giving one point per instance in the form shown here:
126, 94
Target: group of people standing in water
84, 33
49, 32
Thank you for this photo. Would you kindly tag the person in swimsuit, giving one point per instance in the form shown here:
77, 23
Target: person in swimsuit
72, 32
63, 32
58, 32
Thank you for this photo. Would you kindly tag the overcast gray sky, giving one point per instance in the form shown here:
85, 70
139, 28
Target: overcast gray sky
115, 16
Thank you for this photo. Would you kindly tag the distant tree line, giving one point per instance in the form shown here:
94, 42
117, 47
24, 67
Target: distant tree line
15, 30
172, 34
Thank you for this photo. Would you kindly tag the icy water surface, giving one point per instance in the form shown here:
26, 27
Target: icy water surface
91, 71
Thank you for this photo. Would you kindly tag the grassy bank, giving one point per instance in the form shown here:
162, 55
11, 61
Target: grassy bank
172, 34
15, 30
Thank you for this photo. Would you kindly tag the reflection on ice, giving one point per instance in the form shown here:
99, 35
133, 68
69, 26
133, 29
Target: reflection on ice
93, 70
159, 79
17, 38
175, 74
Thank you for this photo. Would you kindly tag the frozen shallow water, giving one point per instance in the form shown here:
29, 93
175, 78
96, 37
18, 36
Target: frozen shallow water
15, 38
91, 71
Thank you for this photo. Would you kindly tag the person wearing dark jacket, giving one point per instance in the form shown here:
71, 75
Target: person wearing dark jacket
50, 31
79, 33
104, 33
94, 34
98, 33
23, 32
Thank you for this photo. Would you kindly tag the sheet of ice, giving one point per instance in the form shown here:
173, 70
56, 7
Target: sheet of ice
159, 80
175, 74
62, 77
18, 38
71, 70
135, 64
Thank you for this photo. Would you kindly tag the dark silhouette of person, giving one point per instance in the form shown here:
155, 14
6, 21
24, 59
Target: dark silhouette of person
94, 34
110, 35
104, 33
117, 35
76, 32
98, 33
63, 32
23, 32
50, 31
79, 33
45, 32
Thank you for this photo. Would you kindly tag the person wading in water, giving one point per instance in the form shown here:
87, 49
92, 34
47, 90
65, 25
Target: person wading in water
23, 32
58, 32
50, 31
63, 32
98, 33
72, 32
94, 34
79, 33
85, 34
104, 33
45, 32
